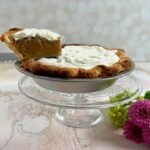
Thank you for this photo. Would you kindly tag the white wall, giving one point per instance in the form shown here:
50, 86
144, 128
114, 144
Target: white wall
112, 23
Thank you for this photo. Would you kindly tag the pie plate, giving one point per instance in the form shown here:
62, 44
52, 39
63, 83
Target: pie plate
76, 85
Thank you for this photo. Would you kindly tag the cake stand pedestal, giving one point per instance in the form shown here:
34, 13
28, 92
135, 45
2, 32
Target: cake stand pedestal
79, 117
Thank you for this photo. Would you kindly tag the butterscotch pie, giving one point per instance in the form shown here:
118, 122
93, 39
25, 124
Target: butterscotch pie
40, 52
81, 61
32, 43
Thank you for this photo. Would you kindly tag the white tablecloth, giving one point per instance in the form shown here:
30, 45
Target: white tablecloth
27, 125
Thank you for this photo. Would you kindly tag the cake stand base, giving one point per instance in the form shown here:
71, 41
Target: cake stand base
79, 118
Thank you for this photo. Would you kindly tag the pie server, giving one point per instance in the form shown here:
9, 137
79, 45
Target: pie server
7, 57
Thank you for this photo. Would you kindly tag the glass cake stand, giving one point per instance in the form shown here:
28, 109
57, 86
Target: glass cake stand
80, 109
80, 101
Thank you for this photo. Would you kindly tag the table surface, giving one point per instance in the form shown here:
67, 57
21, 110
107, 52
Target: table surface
27, 125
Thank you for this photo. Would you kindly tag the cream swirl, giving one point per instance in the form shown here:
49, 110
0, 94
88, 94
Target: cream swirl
85, 57
49, 35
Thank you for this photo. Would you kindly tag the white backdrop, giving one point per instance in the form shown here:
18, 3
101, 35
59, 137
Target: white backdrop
112, 23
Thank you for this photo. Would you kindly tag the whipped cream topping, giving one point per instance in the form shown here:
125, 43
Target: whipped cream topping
85, 57
49, 35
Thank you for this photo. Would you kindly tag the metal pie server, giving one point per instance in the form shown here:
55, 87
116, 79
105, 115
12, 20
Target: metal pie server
7, 57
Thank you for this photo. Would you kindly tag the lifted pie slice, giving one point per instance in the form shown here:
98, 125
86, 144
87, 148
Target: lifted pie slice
32, 43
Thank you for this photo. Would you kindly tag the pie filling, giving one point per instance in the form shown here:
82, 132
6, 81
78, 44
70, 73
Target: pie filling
85, 57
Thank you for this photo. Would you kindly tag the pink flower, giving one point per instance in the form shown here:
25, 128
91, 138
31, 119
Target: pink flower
139, 113
133, 132
146, 134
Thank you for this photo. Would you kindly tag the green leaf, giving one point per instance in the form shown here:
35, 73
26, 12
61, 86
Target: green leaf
147, 95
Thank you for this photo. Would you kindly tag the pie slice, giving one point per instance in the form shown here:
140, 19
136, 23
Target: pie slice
32, 43
81, 61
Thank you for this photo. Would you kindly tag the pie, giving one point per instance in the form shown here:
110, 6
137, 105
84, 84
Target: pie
81, 61
40, 52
